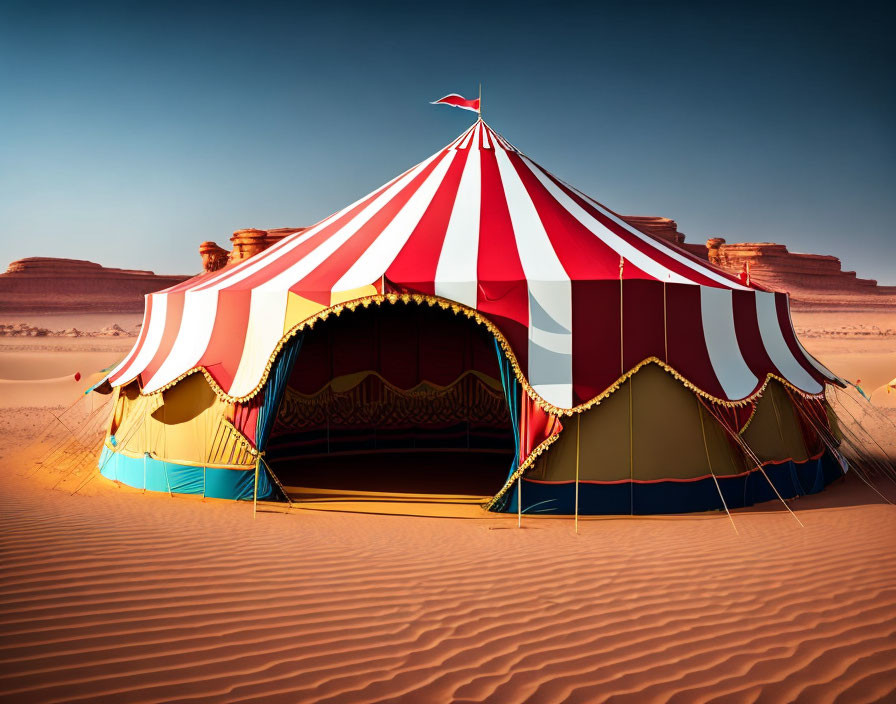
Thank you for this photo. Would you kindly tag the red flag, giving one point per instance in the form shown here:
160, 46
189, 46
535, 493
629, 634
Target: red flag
458, 101
745, 274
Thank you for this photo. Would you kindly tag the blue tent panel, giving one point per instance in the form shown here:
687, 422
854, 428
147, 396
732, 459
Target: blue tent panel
790, 479
160, 475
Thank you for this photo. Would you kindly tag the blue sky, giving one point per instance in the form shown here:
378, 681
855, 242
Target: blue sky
131, 132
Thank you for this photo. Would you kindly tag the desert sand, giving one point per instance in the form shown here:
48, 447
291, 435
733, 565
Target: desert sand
111, 594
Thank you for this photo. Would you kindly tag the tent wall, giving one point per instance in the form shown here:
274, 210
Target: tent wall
183, 441
653, 447
400, 378
187, 423
775, 433
662, 437
790, 479
154, 474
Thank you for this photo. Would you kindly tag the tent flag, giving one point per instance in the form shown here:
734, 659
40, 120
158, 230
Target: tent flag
458, 101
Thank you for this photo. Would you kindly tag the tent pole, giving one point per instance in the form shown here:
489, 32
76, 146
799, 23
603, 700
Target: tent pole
578, 435
621, 327
631, 465
167, 481
631, 448
255, 489
665, 327
519, 502
205, 449
164, 429
144, 471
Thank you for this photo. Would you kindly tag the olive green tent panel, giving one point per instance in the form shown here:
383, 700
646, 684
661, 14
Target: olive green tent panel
651, 428
774, 433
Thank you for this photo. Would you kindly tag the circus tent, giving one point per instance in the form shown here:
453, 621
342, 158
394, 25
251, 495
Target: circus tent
576, 299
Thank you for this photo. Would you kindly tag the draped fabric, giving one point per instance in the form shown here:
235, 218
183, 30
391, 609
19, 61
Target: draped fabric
512, 393
538, 429
577, 295
273, 394
405, 345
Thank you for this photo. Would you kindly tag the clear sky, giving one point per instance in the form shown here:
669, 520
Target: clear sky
132, 131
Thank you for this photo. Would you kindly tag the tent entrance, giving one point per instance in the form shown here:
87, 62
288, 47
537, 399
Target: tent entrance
394, 403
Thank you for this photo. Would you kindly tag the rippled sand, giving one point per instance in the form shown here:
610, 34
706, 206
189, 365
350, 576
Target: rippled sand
115, 595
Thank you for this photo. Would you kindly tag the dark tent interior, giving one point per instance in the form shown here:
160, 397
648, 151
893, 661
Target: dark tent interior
394, 399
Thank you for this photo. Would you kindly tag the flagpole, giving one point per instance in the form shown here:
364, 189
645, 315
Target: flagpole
480, 101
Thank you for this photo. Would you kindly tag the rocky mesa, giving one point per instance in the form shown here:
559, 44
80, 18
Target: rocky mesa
49, 285
812, 280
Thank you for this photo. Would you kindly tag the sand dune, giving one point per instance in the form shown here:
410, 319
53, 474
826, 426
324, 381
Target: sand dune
113, 595
42, 370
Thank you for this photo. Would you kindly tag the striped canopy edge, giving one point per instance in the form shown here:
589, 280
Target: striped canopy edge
578, 298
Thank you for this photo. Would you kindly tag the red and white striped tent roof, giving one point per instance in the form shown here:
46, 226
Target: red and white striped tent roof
579, 296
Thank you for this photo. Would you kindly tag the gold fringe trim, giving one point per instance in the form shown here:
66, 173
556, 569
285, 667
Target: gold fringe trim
528, 462
460, 309
750, 419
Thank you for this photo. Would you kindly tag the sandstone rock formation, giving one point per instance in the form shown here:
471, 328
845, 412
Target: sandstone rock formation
213, 256
246, 243
665, 229
805, 276
811, 279
47, 284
